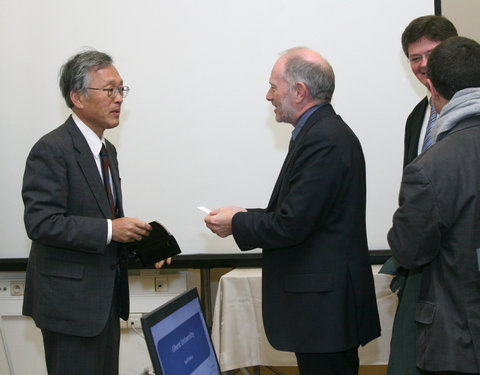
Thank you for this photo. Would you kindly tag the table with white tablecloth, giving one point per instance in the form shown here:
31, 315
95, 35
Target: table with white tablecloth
238, 334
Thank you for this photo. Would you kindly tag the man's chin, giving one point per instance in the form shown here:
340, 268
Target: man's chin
282, 120
113, 124
422, 79
279, 118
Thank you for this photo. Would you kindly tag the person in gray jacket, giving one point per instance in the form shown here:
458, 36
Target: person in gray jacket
437, 223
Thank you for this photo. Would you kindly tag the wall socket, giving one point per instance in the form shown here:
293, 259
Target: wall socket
9, 288
132, 322
5, 288
161, 284
17, 287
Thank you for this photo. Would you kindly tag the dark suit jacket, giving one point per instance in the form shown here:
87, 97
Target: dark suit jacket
436, 226
413, 127
71, 271
402, 358
318, 291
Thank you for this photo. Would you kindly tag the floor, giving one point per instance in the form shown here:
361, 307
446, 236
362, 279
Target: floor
364, 370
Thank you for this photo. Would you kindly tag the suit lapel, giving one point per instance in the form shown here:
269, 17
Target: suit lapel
279, 181
88, 167
416, 121
317, 116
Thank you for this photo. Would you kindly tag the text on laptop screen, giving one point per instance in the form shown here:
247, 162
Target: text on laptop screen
182, 344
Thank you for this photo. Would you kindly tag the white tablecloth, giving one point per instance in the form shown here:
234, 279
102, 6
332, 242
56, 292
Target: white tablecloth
238, 334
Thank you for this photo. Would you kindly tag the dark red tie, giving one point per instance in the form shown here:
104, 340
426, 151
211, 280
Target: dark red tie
106, 179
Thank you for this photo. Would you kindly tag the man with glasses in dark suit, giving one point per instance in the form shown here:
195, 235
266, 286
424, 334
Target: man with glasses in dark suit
76, 283
419, 39
436, 224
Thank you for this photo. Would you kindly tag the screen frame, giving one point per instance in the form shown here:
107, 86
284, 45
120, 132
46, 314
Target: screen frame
152, 318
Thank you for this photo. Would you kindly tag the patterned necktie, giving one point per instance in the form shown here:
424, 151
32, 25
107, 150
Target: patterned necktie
106, 179
427, 142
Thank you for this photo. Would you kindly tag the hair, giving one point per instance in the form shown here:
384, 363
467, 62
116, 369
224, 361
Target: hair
317, 76
74, 74
454, 65
435, 28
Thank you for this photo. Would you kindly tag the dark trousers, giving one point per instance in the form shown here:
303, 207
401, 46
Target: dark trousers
339, 363
76, 355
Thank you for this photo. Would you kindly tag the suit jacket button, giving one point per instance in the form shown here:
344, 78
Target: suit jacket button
113, 266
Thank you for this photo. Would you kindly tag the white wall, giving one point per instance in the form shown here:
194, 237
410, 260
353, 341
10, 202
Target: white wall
196, 128
21, 345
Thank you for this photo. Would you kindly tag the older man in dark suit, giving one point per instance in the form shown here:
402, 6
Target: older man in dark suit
76, 283
318, 292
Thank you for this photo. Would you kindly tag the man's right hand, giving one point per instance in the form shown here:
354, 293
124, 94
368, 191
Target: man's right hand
128, 229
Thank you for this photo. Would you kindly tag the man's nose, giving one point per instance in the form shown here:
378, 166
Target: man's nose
424, 61
269, 95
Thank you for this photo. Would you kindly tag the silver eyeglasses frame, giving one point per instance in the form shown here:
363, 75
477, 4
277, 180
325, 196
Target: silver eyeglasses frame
113, 91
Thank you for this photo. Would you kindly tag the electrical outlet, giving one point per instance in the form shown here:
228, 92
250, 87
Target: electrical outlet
4, 288
17, 287
134, 321
161, 284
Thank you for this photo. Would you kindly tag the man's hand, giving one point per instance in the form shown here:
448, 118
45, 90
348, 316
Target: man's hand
127, 229
219, 221
162, 262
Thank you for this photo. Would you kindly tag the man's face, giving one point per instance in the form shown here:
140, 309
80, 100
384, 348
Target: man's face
98, 110
281, 95
418, 54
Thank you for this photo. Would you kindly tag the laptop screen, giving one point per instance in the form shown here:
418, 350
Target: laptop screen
177, 338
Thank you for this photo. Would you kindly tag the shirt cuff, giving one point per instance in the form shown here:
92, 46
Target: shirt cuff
109, 233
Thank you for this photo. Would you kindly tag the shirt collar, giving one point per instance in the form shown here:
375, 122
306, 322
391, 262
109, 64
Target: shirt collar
303, 119
94, 142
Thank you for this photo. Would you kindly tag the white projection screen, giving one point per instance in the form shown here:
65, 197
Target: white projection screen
196, 128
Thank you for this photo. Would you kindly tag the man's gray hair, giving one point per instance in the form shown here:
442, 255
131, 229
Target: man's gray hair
74, 74
318, 77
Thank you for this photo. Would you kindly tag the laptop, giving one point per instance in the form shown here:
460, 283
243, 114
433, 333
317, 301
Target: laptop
177, 338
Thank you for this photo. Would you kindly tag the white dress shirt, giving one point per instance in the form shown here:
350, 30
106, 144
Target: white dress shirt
95, 144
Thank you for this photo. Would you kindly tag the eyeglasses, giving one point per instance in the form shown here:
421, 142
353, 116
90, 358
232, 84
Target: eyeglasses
415, 59
114, 91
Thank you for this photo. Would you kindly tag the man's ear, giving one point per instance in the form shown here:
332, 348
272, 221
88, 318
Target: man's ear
437, 99
77, 98
301, 91
429, 85
432, 89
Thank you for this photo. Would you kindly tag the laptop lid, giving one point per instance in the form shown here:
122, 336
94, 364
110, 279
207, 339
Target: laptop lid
177, 338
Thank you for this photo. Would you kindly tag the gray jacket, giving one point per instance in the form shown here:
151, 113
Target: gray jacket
438, 226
